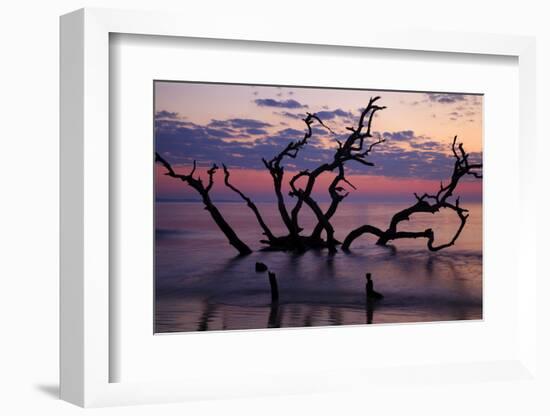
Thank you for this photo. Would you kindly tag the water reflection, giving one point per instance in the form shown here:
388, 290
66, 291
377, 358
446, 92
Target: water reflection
206, 316
200, 289
275, 316
369, 309
335, 316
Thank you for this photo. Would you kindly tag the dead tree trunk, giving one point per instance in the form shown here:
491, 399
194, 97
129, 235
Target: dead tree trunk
203, 191
353, 148
337, 194
277, 173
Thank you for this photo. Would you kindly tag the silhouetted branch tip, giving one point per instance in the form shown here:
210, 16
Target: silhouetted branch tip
461, 168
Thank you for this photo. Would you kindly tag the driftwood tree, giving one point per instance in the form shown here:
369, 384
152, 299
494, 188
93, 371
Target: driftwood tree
204, 192
427, 203
355, 148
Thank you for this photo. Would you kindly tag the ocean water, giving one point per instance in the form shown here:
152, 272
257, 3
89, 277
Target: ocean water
200, 283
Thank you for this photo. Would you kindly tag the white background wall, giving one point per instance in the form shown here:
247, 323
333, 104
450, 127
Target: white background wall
29, 205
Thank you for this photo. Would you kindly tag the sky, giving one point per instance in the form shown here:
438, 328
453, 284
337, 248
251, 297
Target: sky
239, 124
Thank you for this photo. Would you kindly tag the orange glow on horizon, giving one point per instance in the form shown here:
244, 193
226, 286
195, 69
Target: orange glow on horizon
258, 184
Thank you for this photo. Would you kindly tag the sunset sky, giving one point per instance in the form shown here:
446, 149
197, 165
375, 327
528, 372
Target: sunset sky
239, 124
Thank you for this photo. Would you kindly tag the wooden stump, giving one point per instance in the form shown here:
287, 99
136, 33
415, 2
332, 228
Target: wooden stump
274, 287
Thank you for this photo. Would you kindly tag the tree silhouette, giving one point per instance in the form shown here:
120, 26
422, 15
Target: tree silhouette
355, 148
430, 203
204, 192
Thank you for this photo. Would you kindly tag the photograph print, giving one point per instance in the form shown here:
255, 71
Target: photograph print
292, 207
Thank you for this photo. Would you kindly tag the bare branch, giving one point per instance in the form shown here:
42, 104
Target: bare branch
211, 172
314, 116
266, 231
352, 149
277, 172
197, 184
429, 204
337, 196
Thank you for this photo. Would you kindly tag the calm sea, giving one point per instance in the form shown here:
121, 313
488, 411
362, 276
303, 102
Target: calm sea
201, 285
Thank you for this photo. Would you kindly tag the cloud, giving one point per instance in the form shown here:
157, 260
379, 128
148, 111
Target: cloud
238, 123
417, 164
325, 115
426, 145
288, 114
400, 136
398, 139
171, 124
445, 98
462, 113
286, 135
255, 132
207, 144
404, 154
166, 114
475, 157
270, 102
221, 133
476, 100
319, 131
329, 115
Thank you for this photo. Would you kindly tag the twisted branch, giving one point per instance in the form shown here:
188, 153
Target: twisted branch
197, 184
351, 149
429, 203
266, 231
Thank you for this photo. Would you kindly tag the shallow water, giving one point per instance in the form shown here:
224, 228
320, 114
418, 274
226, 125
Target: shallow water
201, 284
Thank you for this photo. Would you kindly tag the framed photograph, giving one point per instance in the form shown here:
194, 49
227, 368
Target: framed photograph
244, 215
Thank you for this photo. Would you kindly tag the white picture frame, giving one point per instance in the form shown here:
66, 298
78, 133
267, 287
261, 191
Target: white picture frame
85, 211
